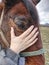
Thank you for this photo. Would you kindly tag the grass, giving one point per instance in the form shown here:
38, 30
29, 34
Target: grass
45, 40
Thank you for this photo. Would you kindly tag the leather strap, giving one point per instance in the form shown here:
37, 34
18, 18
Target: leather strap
33, 53
1, 32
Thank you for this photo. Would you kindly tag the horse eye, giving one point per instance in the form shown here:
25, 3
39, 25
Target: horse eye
21, 25
21, 22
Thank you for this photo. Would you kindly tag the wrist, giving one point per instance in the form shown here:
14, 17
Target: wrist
15, 50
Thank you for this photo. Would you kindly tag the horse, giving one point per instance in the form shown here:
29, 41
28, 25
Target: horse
21, 14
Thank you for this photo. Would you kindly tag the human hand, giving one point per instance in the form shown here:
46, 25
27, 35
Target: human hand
25, 40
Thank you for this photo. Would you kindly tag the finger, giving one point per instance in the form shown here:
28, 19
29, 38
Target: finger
31, 34
27, 46
34, 37
26, 32
12, 33
32, 43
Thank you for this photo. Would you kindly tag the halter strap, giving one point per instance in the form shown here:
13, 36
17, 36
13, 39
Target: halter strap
1, 32
33, 53
1, 19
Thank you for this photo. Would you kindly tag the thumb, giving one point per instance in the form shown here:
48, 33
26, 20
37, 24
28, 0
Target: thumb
12, 33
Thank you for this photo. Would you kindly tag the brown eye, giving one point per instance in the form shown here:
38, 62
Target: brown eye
21, 23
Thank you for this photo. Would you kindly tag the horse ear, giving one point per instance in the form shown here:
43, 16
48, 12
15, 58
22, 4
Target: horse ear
36, 1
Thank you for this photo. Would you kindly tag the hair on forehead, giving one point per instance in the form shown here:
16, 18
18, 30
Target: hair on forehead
10, 3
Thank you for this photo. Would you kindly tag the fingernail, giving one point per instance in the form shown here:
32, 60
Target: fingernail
36, 28
32, 26
12, 28
36, 38
38, 32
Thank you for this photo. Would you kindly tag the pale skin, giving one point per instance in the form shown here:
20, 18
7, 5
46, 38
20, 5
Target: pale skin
25, 40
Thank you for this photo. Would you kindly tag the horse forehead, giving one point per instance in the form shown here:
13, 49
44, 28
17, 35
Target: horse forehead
19, 9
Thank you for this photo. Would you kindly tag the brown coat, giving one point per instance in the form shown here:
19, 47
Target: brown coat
32, 19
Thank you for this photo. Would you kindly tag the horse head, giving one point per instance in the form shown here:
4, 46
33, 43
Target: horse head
20, 15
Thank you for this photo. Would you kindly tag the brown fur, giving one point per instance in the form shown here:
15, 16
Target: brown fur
19, 9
